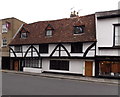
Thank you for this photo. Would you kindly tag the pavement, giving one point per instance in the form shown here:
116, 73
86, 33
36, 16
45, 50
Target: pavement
70, 77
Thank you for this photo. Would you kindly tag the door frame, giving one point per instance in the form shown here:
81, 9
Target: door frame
90, 66
18, 65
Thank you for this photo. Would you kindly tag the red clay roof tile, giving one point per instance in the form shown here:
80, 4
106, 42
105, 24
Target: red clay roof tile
63, 31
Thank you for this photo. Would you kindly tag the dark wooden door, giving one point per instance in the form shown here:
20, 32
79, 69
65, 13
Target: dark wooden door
88, 68
16, 65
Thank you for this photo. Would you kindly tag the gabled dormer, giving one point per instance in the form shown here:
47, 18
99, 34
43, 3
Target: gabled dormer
23, 33
49, 30
78, 28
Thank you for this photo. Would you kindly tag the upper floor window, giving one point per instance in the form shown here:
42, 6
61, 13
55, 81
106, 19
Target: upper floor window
24, 35
4, 28
18, 49
43, 48
76, 47
78, 29
4, 42
117, 35
49, 32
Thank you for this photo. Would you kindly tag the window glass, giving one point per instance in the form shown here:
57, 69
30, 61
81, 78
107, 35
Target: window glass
23, 35
109, 68
117, 36
4, 28
49, 33
59, 65
32, 62
78, 30
4, 42
17, 49
76, 47
43, 48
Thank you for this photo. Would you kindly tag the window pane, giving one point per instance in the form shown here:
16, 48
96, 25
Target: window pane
78, 30
59, 65
4, 28
49, 33
76, 47
43, 48
32, 62
4, 42
17, 48
117, 35
23, 35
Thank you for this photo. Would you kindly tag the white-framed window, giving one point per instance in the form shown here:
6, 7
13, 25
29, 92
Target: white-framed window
49, 32
4, 42
117, 35
4, 28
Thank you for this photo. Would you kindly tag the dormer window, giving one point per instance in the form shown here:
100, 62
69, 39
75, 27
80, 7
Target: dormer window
49, 30
24, 35
78, 29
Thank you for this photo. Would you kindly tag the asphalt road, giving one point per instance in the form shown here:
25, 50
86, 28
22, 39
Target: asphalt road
20, 84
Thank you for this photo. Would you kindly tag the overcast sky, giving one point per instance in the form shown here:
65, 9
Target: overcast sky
40, 10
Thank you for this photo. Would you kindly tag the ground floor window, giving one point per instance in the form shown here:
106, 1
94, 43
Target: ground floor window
59, 65
109, 68
32, 62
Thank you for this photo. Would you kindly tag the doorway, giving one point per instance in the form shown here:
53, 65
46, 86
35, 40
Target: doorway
16, 65
88, 68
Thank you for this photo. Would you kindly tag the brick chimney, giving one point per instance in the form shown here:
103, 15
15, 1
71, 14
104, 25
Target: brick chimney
74, 14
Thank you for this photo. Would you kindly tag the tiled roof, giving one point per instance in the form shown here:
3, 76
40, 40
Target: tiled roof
63, 31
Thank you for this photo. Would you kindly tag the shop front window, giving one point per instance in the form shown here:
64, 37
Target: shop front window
109, 68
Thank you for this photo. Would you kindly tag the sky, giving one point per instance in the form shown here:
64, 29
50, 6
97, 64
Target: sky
31, 11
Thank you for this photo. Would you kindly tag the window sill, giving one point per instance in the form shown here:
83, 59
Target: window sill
43, 53
78, 34
4, 46
18, 52
115, 47
75, 52
4, 32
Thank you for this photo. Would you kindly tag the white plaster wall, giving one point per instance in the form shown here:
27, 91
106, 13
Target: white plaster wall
19, 54
104, 35
25, 47
110, 52
37, 47
76, 66
32, 70
68, 47
12, 55
45, 65
91, 53
105, 31
86, 45
56, 53
93, 73
51, 47
28, 54
12, 47
35, 54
